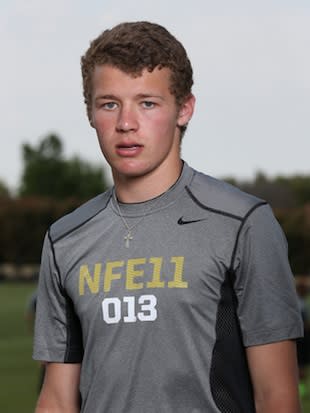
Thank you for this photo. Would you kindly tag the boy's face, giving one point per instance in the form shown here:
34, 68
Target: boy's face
136, 120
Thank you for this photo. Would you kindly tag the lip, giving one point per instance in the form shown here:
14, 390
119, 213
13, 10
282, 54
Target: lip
128, 149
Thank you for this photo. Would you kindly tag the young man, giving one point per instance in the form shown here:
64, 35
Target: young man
171, 292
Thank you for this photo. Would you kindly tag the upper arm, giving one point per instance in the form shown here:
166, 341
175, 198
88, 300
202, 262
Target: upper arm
274, 373
267, 308
58, 332
60, 391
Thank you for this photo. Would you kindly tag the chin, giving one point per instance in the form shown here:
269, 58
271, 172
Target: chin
132, 171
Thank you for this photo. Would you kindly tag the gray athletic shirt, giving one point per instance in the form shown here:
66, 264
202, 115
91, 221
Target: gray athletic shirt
160, 326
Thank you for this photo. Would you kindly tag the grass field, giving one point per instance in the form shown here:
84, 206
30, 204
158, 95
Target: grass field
18, 372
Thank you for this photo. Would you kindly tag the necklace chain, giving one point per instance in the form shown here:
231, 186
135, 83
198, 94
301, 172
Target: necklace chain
128, 237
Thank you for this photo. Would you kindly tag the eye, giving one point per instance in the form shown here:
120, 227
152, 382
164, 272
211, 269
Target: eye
147, 104
109, 105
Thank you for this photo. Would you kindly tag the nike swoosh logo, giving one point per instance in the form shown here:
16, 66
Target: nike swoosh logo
182, 222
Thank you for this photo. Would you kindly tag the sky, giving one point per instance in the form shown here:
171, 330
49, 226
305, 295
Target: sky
251, 62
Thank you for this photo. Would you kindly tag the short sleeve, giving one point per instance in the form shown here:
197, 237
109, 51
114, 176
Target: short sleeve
57, 336
268, 308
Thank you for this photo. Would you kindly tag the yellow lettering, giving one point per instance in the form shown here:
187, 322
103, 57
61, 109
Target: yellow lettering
86, 278
132, 273
156, 282
109, 276
178, 274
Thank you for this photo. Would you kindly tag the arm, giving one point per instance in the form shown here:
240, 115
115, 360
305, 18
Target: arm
60, 391
274, 373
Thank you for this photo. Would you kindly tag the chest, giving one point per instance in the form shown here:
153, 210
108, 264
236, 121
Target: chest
167, 267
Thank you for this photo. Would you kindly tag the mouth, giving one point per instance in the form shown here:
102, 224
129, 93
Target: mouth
128, 149
128, 146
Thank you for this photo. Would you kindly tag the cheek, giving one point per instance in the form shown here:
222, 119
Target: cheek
105, 146
102, 121
104, 131
164, 124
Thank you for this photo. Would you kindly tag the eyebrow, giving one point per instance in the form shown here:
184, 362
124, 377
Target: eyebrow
112, 97
139, 96
149, 95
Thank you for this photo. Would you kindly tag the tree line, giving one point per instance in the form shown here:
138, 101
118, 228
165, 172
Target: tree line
48, 173
53, 185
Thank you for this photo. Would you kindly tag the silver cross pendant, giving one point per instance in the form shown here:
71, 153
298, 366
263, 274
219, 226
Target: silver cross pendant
128, 238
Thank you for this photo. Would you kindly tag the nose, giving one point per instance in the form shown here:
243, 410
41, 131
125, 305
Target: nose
127, 120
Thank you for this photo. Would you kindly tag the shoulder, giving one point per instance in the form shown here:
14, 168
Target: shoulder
79, 216
221, 197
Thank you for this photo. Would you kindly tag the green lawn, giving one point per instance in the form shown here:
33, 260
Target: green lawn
18, 372
306, 398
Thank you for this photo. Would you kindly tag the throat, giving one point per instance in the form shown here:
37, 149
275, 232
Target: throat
135, 189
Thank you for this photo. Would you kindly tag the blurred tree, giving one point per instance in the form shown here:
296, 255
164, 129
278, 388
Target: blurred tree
276, 192
47, 173
296, 225
299, 185
4, 190
24, 222
280, 192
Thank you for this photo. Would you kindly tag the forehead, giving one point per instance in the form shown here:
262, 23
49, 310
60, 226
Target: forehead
107, 79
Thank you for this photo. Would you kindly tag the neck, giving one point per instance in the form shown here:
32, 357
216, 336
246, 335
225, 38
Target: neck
144, 188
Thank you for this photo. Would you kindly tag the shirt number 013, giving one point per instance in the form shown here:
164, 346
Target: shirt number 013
131, 310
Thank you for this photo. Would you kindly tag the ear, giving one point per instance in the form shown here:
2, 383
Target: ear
186, 110
91, 120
